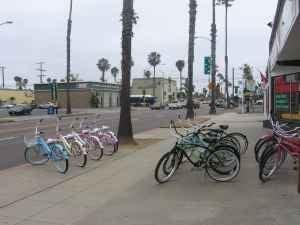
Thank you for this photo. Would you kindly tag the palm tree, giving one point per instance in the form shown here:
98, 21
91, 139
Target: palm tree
147, 74
49, 80
125, 133
103, 66
69, 29
18, 81
25, 82
154, 60
190, 106
180, 66
114, 72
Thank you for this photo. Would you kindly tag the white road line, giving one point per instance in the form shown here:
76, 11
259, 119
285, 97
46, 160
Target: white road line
7, 139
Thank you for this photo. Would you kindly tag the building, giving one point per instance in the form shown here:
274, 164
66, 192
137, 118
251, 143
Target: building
83, 94
282, 93
13, 96
165, 90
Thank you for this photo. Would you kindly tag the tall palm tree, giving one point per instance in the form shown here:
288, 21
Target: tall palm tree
18, 81
154, 60
103, 66
180, 66
114, 72
147, 74
48, 80
25, 82
192, 13
125, 133
69, 30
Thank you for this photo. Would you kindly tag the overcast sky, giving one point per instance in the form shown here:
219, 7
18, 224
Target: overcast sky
39, 34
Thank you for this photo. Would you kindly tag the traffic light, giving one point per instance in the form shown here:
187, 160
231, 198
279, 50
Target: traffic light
207, 65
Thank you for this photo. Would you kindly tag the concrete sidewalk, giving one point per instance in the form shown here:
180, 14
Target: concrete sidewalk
122, 191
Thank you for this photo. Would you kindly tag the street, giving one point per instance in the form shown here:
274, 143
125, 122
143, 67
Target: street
12, 134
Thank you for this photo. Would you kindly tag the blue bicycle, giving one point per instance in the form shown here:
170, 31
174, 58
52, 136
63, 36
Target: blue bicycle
38, 151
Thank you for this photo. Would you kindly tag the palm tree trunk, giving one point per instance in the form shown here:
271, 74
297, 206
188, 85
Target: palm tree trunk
125, 133
190, 106
154, 81
180, 80
103, 76
68, 100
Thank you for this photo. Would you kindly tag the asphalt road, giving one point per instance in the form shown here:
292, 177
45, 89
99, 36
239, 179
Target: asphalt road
12, 134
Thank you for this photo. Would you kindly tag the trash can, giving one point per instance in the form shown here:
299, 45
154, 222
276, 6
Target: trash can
51, 110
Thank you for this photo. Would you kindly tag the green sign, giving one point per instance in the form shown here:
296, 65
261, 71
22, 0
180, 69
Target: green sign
207, 65
282, 102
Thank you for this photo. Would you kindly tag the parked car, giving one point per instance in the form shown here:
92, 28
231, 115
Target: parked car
7, 106
220, 103
44, 106
259, 102
157, 106
174, 105
20, 110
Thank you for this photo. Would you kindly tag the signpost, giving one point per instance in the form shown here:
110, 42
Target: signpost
207, 65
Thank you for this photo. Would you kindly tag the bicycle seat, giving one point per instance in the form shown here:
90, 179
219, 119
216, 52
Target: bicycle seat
85, 131
211, 140
69, 136
51, 141
224, 127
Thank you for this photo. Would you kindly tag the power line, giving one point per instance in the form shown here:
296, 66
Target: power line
41, 75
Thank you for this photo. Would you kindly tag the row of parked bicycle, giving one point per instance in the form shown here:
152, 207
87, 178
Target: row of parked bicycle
86, 141
271, 150
212, 149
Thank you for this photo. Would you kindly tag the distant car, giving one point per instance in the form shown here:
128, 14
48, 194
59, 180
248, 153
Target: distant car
175, 105
259, 102
206, 102
20, 110
220, 104
44, 106
157, 106
7, 106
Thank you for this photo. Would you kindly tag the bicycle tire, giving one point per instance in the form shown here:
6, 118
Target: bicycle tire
160, 163
243, 140
95, 150
213, 161
58, 158
261, 147
263, 163
29, 159
78, 154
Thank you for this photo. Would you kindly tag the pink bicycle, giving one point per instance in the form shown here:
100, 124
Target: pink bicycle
286, 142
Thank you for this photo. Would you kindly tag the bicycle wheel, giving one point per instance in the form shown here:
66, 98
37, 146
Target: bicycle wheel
231, 141
166, 167
95, 151
222, 165
59, 159
242, 140
78, 155
269, 164
35, 155
262, 146
109, 147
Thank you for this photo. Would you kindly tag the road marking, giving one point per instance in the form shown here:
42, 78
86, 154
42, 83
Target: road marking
7, 139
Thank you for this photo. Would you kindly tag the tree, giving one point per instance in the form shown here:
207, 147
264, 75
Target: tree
154, 60
147, 74
180, 66
69, 29
247, 72
129, 18
49, 80
62, 80
24, 83
192, 13
114, 72
19, 82
103, 66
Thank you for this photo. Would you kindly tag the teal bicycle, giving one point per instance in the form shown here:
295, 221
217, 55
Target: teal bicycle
38, 151
220, 160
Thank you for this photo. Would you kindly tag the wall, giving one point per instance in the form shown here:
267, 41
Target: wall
21, 96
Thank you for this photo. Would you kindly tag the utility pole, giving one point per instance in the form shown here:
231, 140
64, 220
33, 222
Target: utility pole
41, 70
2, 69
233, 89
213, 60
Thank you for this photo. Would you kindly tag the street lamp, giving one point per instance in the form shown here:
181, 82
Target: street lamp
6, 22
213, 59
227, 4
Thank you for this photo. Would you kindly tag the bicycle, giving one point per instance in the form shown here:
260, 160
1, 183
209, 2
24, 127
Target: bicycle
272, 158
94, 145
221, 162
38, 151
73, 144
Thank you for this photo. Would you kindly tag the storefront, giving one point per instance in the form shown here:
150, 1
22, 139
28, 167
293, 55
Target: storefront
286, 97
